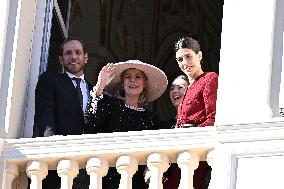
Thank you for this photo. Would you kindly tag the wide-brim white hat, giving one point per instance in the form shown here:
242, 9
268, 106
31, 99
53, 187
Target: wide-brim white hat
157, 79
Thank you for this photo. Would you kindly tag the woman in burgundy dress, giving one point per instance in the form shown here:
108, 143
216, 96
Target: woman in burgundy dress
198, 106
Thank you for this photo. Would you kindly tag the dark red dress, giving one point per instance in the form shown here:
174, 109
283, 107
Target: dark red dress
199, 102
197, 107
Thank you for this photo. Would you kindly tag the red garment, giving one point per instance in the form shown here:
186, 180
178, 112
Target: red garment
199, 178
199, 107
199, 102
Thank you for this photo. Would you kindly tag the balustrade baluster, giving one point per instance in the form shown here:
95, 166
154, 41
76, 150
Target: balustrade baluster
67, 170
11, 172
157, 164
211, 162
187, 163
37, 171
126, 166
97, 168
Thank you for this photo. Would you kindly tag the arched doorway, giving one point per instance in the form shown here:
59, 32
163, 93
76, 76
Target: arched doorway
135, 29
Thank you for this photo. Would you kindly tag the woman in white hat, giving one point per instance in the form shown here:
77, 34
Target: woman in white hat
117, 105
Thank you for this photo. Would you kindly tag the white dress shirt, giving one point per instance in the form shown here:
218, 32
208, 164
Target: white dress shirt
84, 88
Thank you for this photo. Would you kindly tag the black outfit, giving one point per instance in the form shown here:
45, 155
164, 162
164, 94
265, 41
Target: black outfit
57, 107
57, 112
106, 114
169, 124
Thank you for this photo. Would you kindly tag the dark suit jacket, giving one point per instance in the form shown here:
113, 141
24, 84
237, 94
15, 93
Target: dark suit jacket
58, 112
57, 107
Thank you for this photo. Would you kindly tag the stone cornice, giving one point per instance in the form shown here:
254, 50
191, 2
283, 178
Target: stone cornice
264, 131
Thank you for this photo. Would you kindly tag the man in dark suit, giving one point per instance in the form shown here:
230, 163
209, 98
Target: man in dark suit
60, 100
58, 110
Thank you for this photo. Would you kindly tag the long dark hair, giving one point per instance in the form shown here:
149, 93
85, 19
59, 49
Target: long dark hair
189, 43
184, 77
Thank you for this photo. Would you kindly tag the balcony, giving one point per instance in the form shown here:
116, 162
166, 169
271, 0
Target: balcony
227, 149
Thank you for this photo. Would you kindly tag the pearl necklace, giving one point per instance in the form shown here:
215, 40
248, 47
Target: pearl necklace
134, 108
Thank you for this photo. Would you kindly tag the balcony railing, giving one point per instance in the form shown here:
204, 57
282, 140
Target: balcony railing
98, 152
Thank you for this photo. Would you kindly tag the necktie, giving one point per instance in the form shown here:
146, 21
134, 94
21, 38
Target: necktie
78, 90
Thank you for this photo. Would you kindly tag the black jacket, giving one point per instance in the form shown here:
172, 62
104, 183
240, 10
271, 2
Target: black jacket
57, 107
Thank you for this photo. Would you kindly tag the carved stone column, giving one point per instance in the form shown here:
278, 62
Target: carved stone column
126, 166
67, 170
97, 168
37, 171
157, 164
187, 163
11, 172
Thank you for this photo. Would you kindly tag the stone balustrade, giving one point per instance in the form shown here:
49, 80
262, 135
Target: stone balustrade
98, 152
234, 152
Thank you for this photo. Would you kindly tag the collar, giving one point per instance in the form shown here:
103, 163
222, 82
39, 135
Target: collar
72, 75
